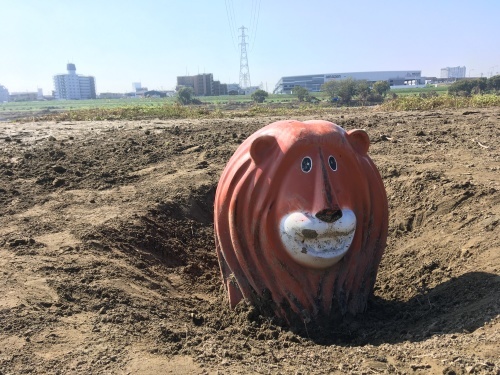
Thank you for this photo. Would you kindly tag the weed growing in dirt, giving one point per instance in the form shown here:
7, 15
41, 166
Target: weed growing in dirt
418, 103
176, 111
168, 110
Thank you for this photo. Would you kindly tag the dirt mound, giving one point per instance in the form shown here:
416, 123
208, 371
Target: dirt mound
108, 263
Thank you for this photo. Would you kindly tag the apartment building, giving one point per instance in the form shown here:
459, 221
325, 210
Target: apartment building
72, 86
203, 84
453, 72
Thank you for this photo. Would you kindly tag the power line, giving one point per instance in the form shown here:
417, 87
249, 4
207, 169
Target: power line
233, 17
231, 26
252, 16
256, 24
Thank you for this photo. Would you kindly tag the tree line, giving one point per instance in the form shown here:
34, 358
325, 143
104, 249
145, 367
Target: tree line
345, 91
468, 87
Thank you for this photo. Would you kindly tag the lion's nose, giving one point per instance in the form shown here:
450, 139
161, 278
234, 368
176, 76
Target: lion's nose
328, 215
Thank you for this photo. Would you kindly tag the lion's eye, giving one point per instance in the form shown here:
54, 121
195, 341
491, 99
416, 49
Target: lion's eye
332, 162
307, 164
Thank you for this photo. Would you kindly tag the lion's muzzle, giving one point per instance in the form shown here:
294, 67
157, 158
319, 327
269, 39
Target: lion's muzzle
317, 243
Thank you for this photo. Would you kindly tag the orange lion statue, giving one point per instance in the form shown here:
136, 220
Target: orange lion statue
301, 220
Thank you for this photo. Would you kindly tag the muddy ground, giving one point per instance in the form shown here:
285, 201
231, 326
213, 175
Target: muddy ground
107, 261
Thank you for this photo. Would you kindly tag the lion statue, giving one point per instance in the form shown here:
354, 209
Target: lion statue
301, 220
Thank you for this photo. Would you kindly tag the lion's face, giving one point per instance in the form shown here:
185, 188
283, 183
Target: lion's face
317, 220
296, 207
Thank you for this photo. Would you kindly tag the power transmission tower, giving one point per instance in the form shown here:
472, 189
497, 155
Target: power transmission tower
244, 70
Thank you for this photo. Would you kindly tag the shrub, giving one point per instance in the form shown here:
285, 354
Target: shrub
302, 94
185, 95
259, 96
381, 87
466, 87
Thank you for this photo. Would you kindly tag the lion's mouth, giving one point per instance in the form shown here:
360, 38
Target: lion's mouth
315, 243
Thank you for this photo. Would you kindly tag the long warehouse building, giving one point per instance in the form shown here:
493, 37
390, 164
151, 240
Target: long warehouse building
313, 82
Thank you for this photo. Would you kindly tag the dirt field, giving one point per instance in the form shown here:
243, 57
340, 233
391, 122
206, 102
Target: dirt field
107, 260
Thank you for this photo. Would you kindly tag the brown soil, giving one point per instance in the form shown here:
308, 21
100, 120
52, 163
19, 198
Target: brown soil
107, 260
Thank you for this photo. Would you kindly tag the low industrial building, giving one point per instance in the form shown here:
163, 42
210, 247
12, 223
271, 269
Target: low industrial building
24, 96
73, 86
313, 82
111, 95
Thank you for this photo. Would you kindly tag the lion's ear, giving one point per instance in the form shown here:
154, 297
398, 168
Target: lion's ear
359, 140
262, 147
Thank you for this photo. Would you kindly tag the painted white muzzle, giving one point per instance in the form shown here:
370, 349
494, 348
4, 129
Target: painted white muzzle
315, 243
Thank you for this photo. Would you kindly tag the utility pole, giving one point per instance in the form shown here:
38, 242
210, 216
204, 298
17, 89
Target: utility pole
492, 69
244, 70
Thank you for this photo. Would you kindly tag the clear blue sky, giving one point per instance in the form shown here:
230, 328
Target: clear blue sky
153, 41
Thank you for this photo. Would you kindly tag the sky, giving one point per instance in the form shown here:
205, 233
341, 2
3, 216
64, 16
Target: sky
154, 41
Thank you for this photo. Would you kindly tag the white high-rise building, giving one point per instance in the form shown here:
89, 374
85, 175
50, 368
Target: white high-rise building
136, 86
4, 94
73, 86
453, 72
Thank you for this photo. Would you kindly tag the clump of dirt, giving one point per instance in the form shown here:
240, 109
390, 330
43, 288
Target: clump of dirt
108, 262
